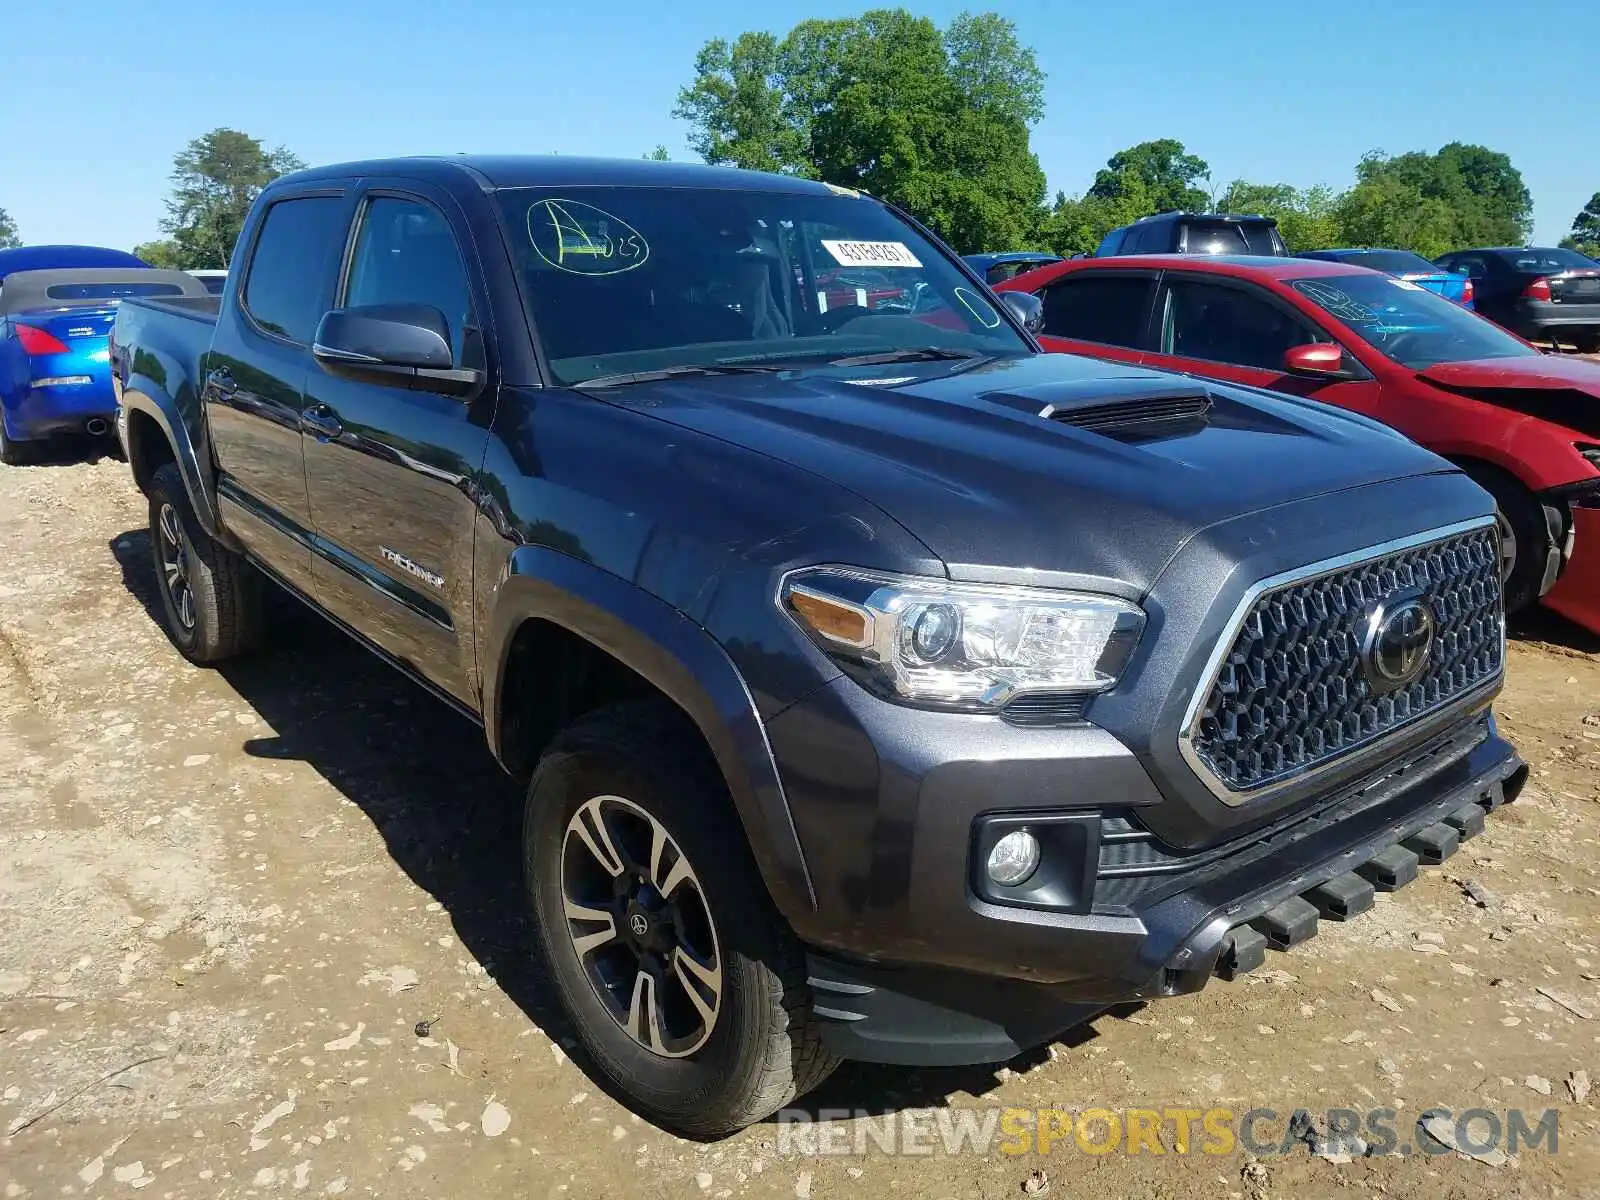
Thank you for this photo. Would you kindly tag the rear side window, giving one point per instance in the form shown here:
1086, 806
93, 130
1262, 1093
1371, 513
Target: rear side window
1111, 244
1146, 239
405, 254
287, 289
1097, 308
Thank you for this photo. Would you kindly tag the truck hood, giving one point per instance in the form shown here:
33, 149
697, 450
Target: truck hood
1549, 387
1017, 469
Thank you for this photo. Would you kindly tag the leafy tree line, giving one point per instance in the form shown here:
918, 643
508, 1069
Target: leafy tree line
938, 122
8, 231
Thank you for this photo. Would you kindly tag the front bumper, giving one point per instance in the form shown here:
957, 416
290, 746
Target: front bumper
1211, 915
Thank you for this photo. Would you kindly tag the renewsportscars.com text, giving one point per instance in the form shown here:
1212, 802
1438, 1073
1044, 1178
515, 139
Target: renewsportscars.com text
1264, 1132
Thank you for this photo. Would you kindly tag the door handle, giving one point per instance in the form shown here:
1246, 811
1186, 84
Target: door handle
322, 421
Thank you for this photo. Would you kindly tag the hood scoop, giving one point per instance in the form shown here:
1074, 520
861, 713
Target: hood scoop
1128, 409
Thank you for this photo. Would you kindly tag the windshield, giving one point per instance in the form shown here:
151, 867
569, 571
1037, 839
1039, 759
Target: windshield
1557, 259
1409, 324
632, 279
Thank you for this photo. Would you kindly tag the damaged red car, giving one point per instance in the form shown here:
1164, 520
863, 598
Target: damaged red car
1524, 424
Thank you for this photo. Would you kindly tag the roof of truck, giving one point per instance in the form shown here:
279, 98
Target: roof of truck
561, 170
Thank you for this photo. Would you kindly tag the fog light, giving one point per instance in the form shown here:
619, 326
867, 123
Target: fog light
1014, 858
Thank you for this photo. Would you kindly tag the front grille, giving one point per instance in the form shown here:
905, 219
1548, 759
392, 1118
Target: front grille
1292, 695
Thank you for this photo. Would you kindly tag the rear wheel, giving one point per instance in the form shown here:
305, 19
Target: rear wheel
1524, 536
685, 985
14, 454
1587, 343
211, 597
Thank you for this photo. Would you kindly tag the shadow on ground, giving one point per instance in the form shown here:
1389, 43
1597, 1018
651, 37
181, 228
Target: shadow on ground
1540, 625
450, 817
71, 451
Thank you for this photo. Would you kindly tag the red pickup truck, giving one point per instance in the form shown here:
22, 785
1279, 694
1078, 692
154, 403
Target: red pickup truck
1524, 424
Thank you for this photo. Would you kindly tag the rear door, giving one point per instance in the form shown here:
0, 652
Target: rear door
257, 368
1102, 313
391, 472
1225, 328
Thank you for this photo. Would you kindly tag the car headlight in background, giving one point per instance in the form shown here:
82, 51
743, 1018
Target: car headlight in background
938, 644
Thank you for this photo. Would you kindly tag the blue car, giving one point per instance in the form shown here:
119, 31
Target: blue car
54, 372
996, 268
1403, 265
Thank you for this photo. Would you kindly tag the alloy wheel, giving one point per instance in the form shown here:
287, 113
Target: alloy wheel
1508, 545
175, 565
639, 921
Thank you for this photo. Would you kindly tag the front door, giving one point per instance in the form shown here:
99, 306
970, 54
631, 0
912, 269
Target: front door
255, 373
391, 472
1229, 329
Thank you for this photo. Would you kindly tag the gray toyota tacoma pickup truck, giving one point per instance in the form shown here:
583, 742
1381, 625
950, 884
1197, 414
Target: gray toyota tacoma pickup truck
884, 688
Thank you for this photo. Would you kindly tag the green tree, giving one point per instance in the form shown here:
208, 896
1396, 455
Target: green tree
1167, 171
1585, 236
215, 179
9, 238
935, 121
1077, 225
160, 253
1305, 216
1462, 196
659, 154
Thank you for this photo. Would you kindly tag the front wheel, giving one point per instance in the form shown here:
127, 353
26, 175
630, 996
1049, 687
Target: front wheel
684, 984
1524, 537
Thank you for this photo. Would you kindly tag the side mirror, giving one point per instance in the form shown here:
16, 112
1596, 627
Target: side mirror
401, 345
1318, 360
1027, 308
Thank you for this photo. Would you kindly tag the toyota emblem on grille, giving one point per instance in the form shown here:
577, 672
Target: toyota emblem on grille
1399, 636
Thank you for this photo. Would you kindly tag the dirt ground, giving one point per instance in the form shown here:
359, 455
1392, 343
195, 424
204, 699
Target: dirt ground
227, 898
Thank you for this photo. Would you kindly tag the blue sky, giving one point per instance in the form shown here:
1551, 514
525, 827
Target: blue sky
100, 97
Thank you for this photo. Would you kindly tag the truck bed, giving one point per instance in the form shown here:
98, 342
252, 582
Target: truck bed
196, 308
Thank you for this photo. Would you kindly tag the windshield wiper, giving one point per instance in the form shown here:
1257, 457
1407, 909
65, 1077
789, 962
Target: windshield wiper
686, 369
909, 354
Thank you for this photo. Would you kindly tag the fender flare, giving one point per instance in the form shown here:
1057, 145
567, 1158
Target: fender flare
143, 395
680, 659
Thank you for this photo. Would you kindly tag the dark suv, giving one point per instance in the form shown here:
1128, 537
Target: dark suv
1195, 233
884, 688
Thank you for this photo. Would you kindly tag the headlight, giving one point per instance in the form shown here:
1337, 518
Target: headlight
937, 644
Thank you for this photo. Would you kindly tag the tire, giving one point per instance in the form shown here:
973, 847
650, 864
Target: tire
13, 453
635, 764
1523, 534
211, 599
1587, 343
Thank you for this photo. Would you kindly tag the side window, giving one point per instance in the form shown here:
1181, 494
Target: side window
291, 270
1228, 325
1142, 239
405, 254
1106, 308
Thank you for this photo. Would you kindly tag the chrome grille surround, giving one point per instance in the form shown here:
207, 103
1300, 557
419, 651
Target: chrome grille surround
1284, 697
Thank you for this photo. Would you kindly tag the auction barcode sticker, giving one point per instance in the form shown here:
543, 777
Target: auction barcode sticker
871, 254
